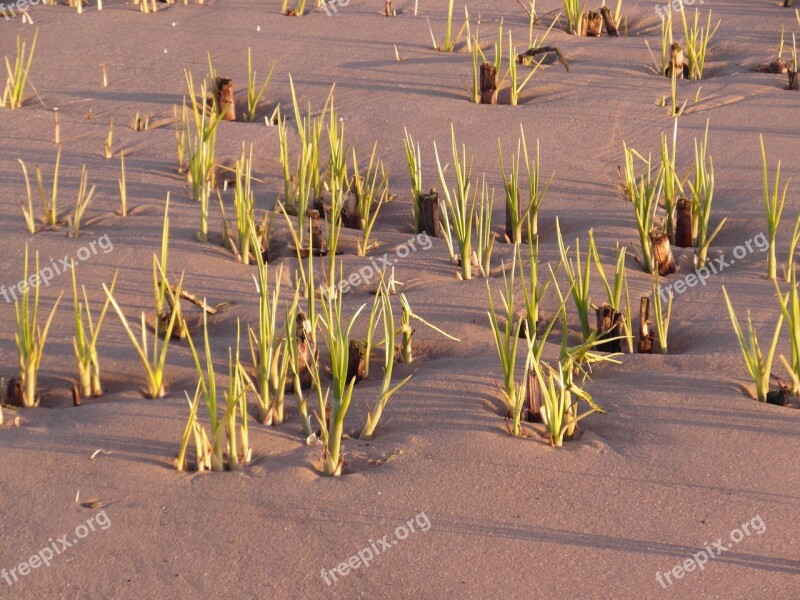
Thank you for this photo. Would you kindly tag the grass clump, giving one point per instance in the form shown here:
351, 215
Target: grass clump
17, 76
774, 201
759, 366
30, 338
84, 342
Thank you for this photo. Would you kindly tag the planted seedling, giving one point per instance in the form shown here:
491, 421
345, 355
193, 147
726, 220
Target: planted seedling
84, 342
773, 207
759, 367
18, 74
30, 338
387, 391
406, 331
459, 205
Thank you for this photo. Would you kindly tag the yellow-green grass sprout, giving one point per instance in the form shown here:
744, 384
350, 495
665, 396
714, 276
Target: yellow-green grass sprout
202, 150
49, 205
573, 11
697, 39
661, 317
790, 308
81, 204
29, 336
672, 184
644, 192
506, 339
792, 249
337, 340
459, 205
414, 164
265, 348
210, 453
14, 90
407, 331
387, 391
339, 187
449, 42
517, 85
579, 275
702, 196
254, 92
774, 201
485, 237
84, 342
758, 366
372, 191
532, 289
155, 365
512, 182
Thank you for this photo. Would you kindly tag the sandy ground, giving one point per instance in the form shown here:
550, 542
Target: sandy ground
683, 458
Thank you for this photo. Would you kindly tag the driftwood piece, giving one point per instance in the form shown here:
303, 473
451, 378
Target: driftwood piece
608, 21
357, 360
683, 223
430, 214
223, 93
645, 333
543, 50
488, 83
609, 325
662, 252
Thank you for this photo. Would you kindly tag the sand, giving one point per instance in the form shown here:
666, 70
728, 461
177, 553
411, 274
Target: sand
684, 456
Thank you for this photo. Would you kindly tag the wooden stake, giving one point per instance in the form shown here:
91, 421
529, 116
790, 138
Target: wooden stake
608, 21
609, 325
683, 223
352, 214
533, 399
224, 97
677, 62
430, 214
357, 360
14, 391
662, 253
593, 24
317, 241
645, 334
488, 84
